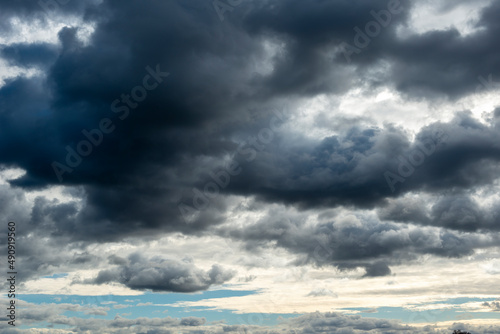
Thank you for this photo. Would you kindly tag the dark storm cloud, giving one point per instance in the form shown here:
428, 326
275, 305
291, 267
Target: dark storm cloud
217, 93
433, 64
163, 275
26, 55
312, 32
13, 205
214, 95
457, 212
354, 242
35, 242
165, 130
446, 62
351, 170
48, 214
374, 246
377, 269
38, 257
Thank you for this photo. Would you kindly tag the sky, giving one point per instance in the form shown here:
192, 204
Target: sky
251, 166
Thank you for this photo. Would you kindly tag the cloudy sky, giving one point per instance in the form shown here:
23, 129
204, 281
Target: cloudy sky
251, 166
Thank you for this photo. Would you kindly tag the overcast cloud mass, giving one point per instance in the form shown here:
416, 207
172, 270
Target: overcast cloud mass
251, 166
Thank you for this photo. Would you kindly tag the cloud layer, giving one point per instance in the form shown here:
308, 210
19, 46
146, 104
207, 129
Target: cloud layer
122, 123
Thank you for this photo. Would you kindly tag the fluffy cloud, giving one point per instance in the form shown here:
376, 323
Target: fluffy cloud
151, 161
163, 275
132, 117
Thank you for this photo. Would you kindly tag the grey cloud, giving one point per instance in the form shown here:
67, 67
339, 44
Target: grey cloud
225, 78
495, 306
352, 242
444, 54
192, 321
27, 55
38, 313
377, 269
321, 293
452, 211
115, 259
163, 275
308, 323
151, 162
461, 155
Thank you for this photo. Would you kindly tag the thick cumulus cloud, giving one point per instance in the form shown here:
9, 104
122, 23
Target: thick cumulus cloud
161, 105
366, 166
165, 102
354, 241
157, 274
361, 169
205, 92
453, 211
29, 55
35, 243
448, 62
